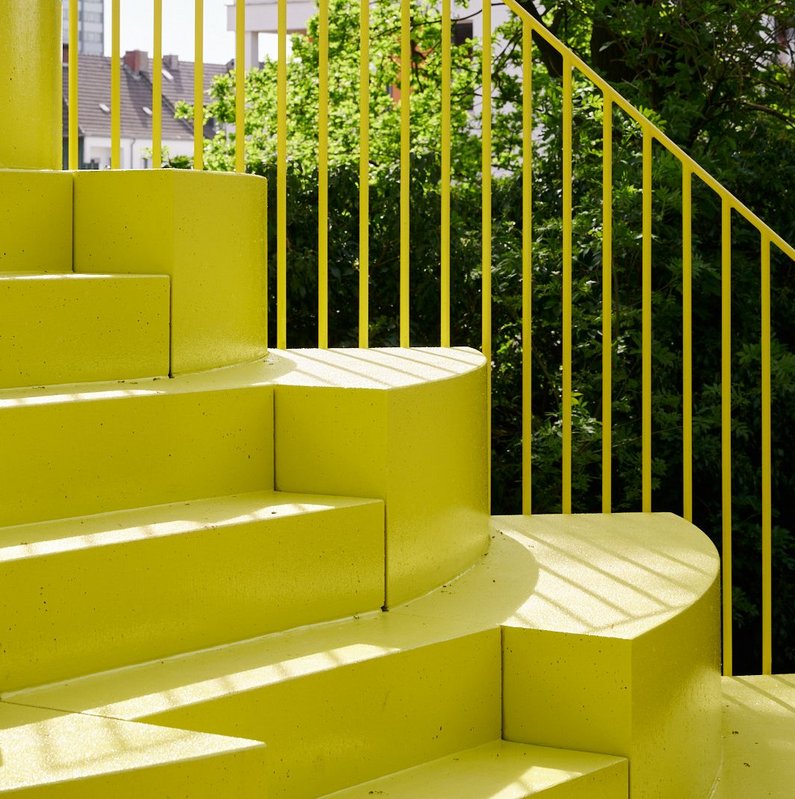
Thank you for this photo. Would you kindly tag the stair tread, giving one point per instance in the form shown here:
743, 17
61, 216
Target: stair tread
498, 769
514, 584
41, 747
135, 524
79, 277
758, 738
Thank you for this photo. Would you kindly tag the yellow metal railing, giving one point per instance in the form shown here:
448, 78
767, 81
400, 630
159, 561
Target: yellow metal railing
612, 102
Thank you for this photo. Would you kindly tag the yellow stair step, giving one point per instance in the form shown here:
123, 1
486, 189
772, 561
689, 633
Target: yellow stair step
758, 738
51, 755
503, 770
80, 450
68, 328
87, 594
336, 704
569, 629
36, 220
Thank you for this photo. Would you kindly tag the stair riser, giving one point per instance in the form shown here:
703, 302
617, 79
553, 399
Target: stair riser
241, 775
73, 329
334, 728
35, 221
77, 756
106, 606
648, 699
421, 448
85, 454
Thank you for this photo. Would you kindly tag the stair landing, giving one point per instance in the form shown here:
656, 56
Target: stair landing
758, 738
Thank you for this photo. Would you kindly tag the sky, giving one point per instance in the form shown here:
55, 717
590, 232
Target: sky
137, 29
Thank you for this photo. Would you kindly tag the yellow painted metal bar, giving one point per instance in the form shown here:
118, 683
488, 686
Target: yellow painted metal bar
726, 432
687, 344
74, 131
527, 269
607, 306
405, 167
115, 85
646, 325
567, 282
445, 175
281, 177
240, 86
364, 173
767, 501
198, 86
157, 87
661, 137
322, 177
486, 214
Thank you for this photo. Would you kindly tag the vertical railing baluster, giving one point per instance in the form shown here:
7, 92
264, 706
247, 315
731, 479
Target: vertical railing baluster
485, 263
445, 177
322, 177
74, 130
527, 267
767, 500
198, 86
687, 343
364, 173
607, 304
567, 284
726, 432
281, 177
115, 85
240, 86
405, 168
646, 323
157, 87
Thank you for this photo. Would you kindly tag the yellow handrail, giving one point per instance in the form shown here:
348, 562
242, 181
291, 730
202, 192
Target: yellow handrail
661, 137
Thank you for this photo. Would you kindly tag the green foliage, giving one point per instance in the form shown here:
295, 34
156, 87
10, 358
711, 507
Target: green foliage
706, 73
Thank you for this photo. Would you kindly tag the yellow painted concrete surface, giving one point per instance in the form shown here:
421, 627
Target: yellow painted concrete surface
67, 328
336, 704
88, 594
35, 219
503, 770
758, 738
206, 230
323, 693
80, 450
71, 756
407, 426
617, 650
30, 62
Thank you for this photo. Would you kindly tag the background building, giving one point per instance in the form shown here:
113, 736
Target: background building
90, 26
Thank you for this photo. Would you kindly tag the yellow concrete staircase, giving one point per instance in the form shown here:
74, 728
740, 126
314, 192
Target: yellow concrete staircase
234, 572
228, 572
